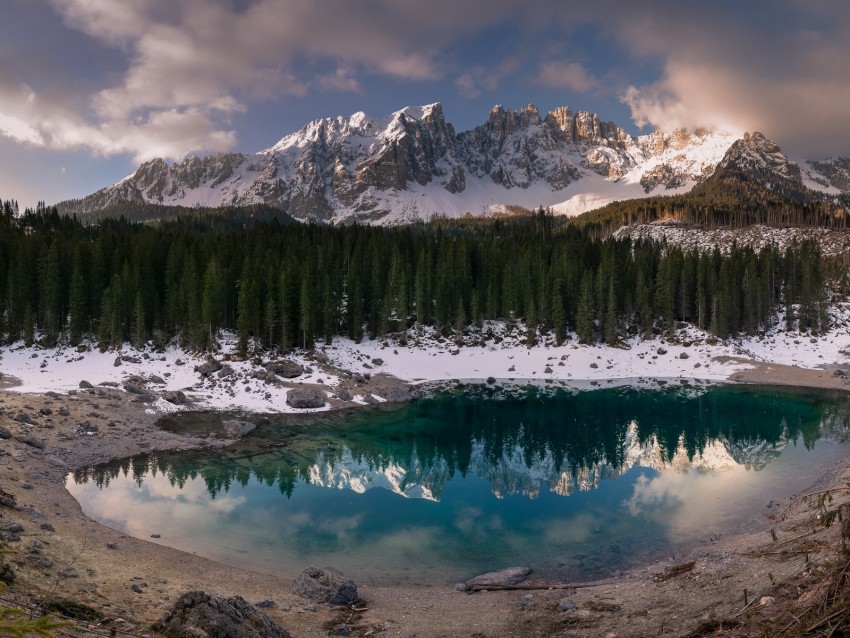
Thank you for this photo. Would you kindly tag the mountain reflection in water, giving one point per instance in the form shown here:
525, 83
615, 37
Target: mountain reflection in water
520, 442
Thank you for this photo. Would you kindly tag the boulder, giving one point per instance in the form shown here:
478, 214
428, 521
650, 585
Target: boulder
285, 368
395, 394
325, 586
235, 429
226, 371
85, 385
197, 614
206, 369
175, 398
305, 398
31, 441
4, 433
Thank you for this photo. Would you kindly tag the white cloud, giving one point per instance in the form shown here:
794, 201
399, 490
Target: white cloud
483, 79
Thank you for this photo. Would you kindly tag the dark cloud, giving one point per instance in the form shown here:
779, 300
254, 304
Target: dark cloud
188, 67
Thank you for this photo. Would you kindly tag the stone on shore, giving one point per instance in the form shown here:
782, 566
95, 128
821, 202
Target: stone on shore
197, 614
325, 586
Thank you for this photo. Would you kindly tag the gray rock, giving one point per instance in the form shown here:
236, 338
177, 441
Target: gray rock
198, 614
175, 398
285, 368
63, 411
226, 371
567, 605
4, 433
157, 379
117, 362
504, 577
23, 417
206, 369
396, 394
235, 429
378, 362
684, 355
344, 394
85, 385
44, 562
31, 441
325, 586
305, 398
12, 527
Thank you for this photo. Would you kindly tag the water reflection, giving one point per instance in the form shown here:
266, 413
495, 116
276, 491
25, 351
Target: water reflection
573, 484
562, 442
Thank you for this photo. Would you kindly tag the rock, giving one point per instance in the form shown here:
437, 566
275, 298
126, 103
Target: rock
325, 586
341, 630
235, 429
4, 433
502, 578
344, 394
764, 601
263, 604
8, 500
137, 589
226, 371
661, 350
567, 605
12, 527
44, 562
369, 399
31, 441
594, 365
47, 527
378, 362
117, 362
23, 417
175, 398
285, 368
305, 398
491, 380
157, 379
128, 359
198, 614
684, 355
206, 369
63, 411
396, 394
87, 427
45, 412
85, 385
111, 546
7, 574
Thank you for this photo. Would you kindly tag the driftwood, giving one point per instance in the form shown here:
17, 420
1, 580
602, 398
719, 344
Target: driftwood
536, 586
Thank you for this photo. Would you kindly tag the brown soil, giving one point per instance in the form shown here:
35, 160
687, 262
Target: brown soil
135, 582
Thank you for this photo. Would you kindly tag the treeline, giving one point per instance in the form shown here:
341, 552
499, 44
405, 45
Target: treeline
730, 198
284, 286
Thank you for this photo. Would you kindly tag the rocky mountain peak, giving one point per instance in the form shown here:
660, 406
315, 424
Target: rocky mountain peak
757, 155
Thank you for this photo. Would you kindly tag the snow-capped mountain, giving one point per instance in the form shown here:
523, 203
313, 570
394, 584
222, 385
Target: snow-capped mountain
412, 164
512, 471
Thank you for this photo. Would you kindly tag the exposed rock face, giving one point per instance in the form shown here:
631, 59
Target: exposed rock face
325, 586
756, 155
197, 614
831, 173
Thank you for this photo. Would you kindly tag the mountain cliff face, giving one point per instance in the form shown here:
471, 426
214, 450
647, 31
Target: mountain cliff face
412, 165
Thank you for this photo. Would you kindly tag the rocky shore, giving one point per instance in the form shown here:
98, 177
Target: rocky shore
60, 554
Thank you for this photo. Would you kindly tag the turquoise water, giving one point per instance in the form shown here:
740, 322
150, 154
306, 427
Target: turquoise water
576, 485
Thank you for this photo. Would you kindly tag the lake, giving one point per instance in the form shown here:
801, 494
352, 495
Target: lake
577, 485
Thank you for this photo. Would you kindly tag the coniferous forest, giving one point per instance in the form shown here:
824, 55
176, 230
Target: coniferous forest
284, 285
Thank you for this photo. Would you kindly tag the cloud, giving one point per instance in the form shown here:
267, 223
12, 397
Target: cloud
340, 80
567, 75
485, 79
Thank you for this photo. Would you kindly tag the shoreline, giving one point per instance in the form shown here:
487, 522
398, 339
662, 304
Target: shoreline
138, 580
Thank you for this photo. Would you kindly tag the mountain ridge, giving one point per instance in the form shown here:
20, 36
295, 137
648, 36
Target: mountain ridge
412, 164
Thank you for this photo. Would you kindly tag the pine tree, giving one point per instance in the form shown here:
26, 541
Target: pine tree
586, 313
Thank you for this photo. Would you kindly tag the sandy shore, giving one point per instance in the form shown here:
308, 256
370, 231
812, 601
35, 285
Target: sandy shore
62, 553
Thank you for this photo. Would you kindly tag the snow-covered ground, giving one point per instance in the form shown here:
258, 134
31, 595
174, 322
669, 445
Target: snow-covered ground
427, 357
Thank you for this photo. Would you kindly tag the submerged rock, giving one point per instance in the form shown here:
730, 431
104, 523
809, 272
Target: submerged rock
235, 429
325, 586
198, 614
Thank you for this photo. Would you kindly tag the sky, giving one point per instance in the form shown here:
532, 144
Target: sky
91, 88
